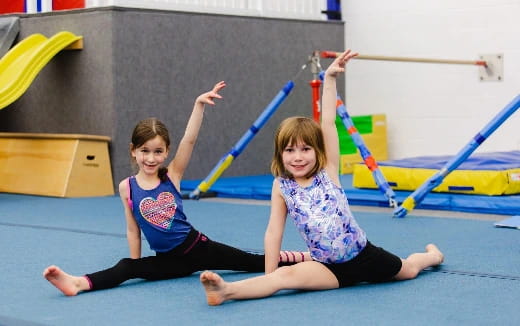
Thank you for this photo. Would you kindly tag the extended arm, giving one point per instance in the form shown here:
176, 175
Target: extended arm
328, 118
182, 157
274, 232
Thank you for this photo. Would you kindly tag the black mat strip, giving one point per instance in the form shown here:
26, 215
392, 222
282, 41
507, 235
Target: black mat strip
476, 274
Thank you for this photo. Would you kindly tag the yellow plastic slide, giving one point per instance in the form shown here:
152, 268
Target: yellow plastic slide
25, 60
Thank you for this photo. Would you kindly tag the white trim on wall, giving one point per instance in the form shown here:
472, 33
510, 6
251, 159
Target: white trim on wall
294, 9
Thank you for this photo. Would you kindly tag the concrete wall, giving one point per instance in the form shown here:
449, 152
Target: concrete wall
434, 109
138, 63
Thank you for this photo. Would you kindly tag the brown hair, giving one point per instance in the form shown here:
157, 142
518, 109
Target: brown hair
290, 132
148, 129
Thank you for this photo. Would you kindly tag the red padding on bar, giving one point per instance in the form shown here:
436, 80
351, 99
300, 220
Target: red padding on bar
328, 54
371, 163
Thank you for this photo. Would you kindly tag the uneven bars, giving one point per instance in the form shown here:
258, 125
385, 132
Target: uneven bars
332, 54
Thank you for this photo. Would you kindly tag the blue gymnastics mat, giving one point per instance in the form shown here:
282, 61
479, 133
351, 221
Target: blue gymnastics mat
490, 174
259, 187
478, 284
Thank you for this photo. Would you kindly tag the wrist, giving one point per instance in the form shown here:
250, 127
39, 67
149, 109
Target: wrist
331, 74
329, 79
199, 105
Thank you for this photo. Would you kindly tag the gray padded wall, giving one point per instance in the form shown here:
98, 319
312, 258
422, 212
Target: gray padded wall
140, 63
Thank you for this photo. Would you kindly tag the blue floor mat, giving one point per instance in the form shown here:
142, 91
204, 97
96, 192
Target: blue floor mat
259, 187
478, 284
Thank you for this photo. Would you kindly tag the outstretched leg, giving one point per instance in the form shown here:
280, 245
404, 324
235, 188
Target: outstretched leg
416, 262
303, 276
68, 284
213, 255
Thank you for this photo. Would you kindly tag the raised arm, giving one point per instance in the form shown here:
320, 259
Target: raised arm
182, 157
328, 114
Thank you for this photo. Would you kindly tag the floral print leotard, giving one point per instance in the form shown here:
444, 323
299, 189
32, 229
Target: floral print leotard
323, 218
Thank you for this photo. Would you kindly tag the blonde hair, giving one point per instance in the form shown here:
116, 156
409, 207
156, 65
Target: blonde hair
290, 132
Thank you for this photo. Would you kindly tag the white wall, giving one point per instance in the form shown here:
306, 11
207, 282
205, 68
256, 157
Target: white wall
433, 109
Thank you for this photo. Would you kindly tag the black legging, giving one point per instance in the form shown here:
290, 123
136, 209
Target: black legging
196, 253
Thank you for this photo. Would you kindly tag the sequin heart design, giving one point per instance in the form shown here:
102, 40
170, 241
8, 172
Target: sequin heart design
159, 212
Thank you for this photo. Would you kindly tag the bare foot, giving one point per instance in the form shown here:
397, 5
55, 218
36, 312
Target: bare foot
433, 249
214, 286
66, 283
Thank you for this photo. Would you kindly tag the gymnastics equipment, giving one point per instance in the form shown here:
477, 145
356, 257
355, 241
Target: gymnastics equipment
227, 159
372, 129
367, 157
369, 160
58, 165
418, 195
491, 66
315, 87
490, 173
19, 67
315, 84
332, 54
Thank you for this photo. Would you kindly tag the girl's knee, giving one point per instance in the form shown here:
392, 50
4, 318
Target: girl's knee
284, 272
408, 271
124, 263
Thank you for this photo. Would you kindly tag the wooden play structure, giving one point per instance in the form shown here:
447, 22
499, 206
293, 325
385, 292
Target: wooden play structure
59, 165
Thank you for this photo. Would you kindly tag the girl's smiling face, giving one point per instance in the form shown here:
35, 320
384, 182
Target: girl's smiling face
299, 159
151, 155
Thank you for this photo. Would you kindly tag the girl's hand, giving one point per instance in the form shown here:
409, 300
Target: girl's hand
338, 65
207, 98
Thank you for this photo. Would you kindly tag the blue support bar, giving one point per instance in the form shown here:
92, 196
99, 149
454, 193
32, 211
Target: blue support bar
227, 159
369, 160
418, 195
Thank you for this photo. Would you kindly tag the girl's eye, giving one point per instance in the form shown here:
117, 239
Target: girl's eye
289, 150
